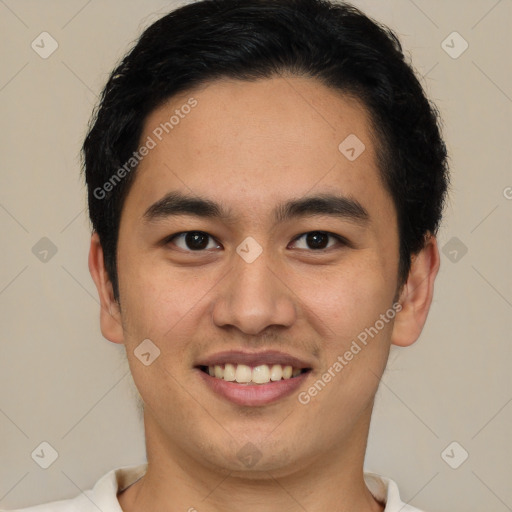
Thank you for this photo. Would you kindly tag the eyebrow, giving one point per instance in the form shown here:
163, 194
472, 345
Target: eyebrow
176, 203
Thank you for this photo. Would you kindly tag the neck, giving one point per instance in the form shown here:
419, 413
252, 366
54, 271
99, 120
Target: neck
177, 481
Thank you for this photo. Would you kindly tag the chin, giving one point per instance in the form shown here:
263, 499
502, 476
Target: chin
249, 462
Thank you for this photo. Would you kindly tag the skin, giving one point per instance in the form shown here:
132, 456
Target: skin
250, 146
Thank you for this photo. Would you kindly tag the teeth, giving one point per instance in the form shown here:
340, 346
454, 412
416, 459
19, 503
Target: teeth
219, 372
243, 373
276, 372
262, 374
229, 372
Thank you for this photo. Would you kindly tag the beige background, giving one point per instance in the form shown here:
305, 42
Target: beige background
62, 383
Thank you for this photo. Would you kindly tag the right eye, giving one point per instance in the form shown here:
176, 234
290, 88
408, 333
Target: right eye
191, 241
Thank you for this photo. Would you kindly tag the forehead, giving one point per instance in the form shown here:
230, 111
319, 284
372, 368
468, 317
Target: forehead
253, 142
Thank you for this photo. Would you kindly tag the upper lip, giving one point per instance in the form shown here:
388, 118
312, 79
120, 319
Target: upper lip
267, 357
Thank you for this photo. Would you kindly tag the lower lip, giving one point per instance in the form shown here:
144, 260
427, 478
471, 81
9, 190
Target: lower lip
253, 394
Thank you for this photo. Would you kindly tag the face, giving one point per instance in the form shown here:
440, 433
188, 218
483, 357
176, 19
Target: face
285, 253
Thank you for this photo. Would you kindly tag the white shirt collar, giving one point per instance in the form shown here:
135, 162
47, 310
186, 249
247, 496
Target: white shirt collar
103, 495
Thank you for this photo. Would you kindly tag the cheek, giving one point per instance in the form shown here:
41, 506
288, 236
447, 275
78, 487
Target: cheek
347, 298
157, 299
346, 307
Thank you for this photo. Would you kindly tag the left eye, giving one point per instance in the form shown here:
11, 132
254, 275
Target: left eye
318, 240
193, 240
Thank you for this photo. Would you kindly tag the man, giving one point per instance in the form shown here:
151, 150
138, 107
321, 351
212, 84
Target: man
266, 180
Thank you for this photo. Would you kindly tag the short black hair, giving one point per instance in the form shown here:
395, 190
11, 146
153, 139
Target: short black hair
249, 40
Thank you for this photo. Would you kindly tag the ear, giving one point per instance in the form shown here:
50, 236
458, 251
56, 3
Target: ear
110, 314
416, 295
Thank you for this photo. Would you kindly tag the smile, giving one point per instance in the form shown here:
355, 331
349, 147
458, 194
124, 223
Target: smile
253, 378
245, 374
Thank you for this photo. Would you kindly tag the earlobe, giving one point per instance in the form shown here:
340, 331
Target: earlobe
110, 315
416, 295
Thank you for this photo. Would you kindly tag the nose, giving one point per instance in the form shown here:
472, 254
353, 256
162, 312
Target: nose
253, 297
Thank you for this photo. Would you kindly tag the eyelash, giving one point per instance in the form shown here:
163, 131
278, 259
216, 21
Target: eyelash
341, 240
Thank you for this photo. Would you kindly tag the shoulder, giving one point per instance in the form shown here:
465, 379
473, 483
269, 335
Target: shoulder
72, 505
103, 496
386, 490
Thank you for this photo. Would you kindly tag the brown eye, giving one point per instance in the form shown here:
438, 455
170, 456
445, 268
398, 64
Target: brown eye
193, 241
318, 240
